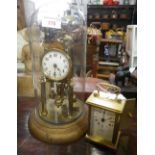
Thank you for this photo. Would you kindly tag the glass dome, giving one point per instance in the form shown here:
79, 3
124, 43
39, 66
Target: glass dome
58, 47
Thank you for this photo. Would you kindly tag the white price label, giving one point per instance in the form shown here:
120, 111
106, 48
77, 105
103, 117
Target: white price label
51, 22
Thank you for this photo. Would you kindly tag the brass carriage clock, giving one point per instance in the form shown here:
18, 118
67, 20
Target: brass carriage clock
106, 105
60, 116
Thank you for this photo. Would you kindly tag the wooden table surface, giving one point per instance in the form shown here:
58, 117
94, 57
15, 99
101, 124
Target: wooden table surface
28, 145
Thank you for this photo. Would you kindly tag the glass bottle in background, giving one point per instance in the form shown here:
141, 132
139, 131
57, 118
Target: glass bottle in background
106, 52
126, 2
121, 2
95, 2
132, 2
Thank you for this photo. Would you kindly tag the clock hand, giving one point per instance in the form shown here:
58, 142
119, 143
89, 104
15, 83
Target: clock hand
103, 118
59, 71
56, 68
108, 119
54, 74
55, 65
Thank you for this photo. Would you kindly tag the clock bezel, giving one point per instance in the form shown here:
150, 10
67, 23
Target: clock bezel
100, 139
68, 59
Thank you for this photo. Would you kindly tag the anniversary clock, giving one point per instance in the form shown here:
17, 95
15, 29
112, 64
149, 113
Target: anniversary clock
106, 105
60, 115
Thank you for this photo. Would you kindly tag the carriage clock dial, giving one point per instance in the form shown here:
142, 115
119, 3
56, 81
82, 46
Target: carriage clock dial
56, 65
102, 123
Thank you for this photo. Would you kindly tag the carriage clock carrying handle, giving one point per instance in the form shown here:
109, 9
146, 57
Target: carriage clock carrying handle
107, 87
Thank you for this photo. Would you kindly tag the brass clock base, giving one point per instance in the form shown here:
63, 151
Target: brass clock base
101, 141
57, 134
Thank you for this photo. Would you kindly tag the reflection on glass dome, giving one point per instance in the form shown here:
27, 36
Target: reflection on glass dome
60, 35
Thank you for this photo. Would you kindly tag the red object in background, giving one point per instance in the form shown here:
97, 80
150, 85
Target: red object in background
115, 2
110, 2
105, 2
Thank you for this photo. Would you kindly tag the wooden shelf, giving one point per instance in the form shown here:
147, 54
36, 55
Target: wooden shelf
103, 76
131, 10
104, 69
108, 63
111, 6
110, 68
98, 14
114, 41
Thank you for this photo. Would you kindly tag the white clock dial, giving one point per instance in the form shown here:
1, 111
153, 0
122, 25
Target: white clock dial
102, 123
56, 65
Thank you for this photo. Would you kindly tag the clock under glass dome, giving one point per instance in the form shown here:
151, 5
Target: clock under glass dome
57, 43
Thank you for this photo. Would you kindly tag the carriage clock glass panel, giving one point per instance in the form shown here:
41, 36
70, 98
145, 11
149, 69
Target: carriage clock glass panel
57, 42
102, 123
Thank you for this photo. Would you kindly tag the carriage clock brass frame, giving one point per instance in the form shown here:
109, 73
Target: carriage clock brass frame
57, 133
97, 100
